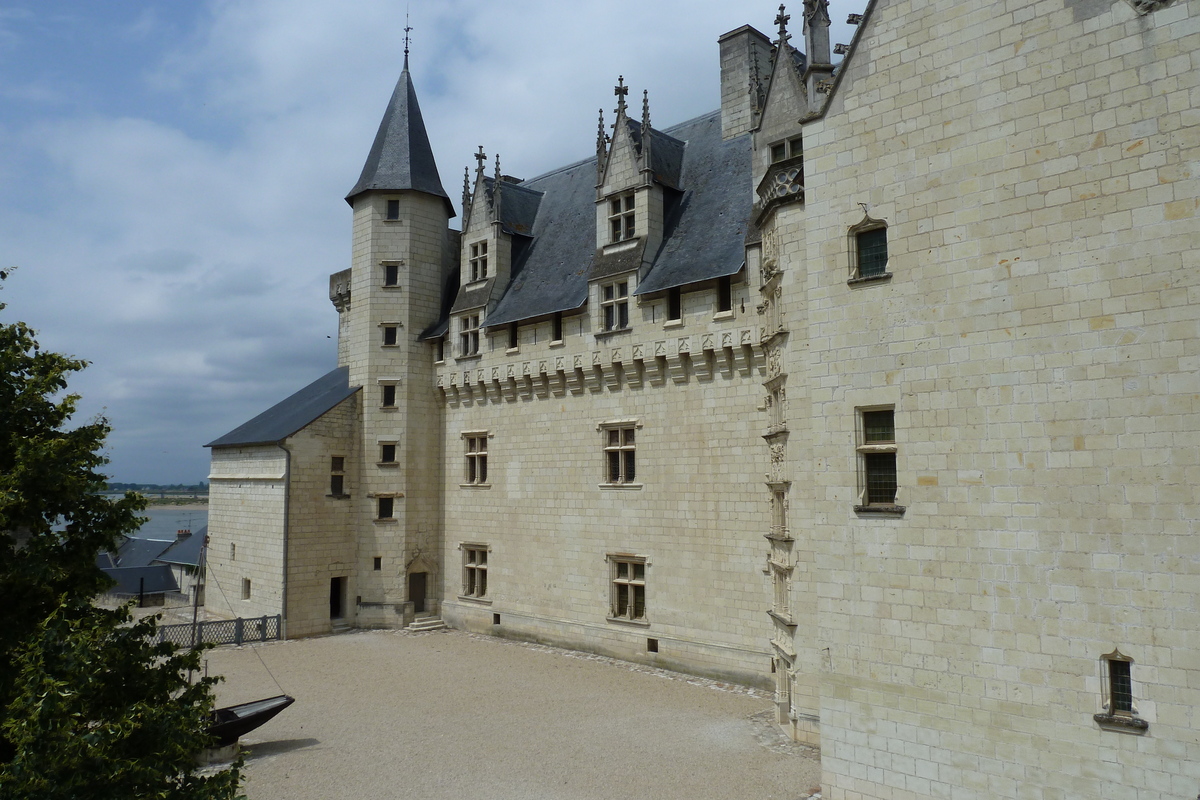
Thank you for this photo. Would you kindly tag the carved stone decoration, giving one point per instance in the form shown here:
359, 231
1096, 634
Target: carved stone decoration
774, 363
1149, 6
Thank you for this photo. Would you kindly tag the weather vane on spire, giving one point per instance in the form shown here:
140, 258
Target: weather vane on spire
407, 31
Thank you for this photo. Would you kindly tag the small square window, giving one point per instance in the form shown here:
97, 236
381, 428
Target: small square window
475, 565
337, 464
387, 453
391, 274
390, 335
387, 395
385, 507
628, 587
393, 209
377, 563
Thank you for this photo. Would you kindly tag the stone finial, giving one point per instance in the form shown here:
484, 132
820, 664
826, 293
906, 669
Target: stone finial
781, 19
601, 147
816, 12
645, 111
480, 157
620, 90
756, 87
466, 187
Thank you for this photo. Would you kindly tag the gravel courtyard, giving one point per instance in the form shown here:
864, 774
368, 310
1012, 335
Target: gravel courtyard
393, 714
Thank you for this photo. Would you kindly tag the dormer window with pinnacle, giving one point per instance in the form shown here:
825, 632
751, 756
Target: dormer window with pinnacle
621, 217
478, 261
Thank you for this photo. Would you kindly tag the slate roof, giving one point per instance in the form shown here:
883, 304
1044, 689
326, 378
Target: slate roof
135, 552
186, 549
151, 580
283, 419
401, 156
705, 227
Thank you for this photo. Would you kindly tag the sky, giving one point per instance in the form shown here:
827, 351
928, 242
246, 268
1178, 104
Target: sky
172, 174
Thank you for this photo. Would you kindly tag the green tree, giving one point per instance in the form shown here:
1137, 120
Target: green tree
85, 701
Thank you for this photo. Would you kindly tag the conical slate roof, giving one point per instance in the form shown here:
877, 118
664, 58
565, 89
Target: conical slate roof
401, 157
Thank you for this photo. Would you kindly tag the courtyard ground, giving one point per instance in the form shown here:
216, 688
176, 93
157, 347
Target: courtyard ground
394, 714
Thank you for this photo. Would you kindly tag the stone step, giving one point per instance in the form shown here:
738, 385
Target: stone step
421, 624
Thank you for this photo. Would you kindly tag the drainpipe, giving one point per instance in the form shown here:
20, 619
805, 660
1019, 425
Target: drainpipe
287, 496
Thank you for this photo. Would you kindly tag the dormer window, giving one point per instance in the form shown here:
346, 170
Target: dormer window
621, 217
614, 305
478, 261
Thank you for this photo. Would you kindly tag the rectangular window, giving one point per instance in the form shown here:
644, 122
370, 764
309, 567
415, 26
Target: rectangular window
628, 587
337, 478
387, 453
245, 588
393, 209
724, 294
475, 564
782, 151
872, 252
674, 304
478, 261
388, 395
377, 563
513, 335
391, 274
384, 507
390, 335
621, 217
477, 466
439, 346
614, 305
620, 454
556, 332
877, 454
1120, 683
468, 343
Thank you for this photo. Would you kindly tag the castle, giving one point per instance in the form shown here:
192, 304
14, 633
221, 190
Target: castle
879, 385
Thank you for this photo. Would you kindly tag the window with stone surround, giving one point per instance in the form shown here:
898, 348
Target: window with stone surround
474, 570
387, 452
1119, 710
393, 209
385, 507
391, 274
628, 575
387, 395
877, 460
478, 261
556, 327
468, 335
724, 294
391, 334
614, 306
869, 251
245, 588
476, 443
791, 148
621, 217
674, 304
337, 476
620, 452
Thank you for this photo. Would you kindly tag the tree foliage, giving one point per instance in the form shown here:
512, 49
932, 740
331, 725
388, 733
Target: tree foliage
85, 700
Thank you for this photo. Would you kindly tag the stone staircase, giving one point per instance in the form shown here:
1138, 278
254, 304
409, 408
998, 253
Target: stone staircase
427, 622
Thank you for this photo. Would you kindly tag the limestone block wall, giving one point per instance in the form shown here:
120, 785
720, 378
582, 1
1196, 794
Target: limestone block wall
694, 511
245, 531
1038, 341
322, 541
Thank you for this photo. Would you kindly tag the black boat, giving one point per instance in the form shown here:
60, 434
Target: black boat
231, 722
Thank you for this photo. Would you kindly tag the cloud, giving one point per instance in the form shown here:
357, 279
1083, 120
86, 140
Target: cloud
175, 202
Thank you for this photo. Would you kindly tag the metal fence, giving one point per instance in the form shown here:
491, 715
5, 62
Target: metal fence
222, 631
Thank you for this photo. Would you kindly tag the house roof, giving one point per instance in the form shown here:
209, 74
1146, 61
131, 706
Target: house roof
705, 227
296, 412
401, 157
151, 580
136, 552
185, 551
